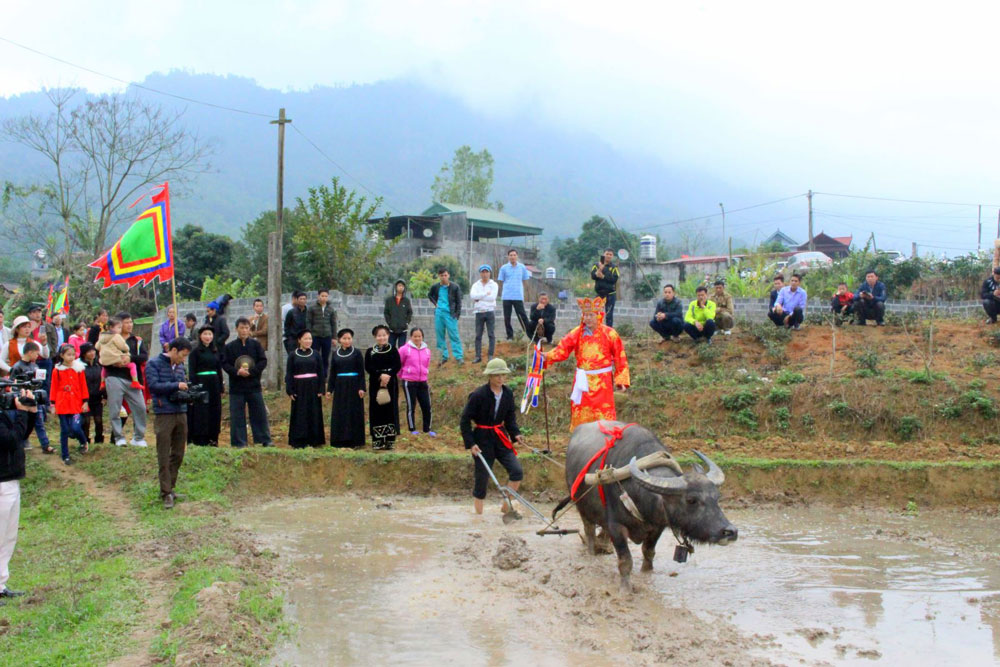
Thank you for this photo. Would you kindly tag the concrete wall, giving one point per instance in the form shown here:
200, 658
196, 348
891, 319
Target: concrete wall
361, 313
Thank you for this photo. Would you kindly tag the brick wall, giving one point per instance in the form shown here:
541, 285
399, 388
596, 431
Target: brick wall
361, 313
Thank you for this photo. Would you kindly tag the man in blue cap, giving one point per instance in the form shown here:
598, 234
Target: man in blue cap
484, 305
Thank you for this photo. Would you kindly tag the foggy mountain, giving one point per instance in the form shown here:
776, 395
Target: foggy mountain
393, 137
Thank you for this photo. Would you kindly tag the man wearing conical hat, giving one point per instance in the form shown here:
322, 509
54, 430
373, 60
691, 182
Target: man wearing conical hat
601, 365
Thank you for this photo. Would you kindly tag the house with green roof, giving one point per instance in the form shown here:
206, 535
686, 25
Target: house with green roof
470, 234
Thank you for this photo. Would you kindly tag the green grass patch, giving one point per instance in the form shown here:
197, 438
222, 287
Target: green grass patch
84, 598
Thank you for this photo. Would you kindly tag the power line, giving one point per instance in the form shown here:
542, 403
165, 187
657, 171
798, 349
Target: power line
713, 215
346, 173
903, 201
132, 83
195, 101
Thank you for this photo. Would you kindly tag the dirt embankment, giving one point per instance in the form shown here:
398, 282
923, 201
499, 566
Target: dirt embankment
761, 394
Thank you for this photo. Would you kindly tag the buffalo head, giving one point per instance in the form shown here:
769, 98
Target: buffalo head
691, 501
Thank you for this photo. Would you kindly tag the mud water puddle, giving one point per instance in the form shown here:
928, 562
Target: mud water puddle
417, 583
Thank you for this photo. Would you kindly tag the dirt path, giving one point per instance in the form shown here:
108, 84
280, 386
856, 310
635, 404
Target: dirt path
155, 575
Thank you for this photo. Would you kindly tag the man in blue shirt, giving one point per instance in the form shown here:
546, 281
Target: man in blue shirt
790, 305
447, 300
512, 276
869, 300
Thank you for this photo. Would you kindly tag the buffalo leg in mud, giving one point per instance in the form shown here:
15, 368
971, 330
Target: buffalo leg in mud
649, 549
619, 538
589, 537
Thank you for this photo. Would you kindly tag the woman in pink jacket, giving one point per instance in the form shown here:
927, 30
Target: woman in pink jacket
415, 357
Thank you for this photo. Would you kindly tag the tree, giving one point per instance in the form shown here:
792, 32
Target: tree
467, 180
197, 255
249, 258
102, 155
335, 245
431, 264
597, 235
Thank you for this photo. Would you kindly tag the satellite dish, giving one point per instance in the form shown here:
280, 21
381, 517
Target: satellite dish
428, 233
623, 254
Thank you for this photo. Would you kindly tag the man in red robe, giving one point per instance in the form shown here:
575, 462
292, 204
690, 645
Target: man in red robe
601, 365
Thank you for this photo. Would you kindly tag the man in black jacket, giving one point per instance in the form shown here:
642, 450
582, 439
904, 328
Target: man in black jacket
495, 431
542, 319
398, 312
245, 361
13, 432
296, 321
668, 321
990, 295
605, 277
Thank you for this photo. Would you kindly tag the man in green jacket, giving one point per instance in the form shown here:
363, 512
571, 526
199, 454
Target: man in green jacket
321, 320
398, 314
699, 323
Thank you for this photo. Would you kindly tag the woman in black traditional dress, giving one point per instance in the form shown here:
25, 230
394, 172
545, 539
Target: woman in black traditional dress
382, 364
205, 368
304, 384
347, 384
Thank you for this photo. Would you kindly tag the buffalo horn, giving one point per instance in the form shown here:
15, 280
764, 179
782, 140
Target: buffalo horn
662, 485
714, 474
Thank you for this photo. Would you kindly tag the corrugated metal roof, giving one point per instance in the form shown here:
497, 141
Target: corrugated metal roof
486, 218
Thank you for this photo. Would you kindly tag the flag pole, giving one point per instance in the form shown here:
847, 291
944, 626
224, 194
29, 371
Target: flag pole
177, 316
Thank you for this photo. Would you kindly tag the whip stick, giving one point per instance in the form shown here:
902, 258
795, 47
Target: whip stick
545, 398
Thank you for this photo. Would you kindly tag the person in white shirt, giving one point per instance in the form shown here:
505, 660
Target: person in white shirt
484, 305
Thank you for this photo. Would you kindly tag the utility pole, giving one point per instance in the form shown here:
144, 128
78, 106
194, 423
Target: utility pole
979, 241
729, 258
809, 196
275, 243
913, 252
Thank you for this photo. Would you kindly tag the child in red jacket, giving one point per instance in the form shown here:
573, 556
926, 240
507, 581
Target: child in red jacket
69, 396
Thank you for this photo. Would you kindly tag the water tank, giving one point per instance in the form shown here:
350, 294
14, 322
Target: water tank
647, 248
550, 272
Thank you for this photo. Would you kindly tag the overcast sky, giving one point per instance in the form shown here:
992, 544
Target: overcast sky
893, 99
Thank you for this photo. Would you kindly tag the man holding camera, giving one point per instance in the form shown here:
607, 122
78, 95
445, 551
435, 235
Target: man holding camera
605, 277
165, 377
14, 427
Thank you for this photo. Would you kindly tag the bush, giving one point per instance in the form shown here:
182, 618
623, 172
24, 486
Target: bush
790, 377
783, 416
743, 398
867, 359
984, 360
708, 354
779, 395
980, 402
840, 408
908, 427
626, 330
950, 409
747, 419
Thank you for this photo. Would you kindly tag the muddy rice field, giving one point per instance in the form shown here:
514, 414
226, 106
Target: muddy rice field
421, 580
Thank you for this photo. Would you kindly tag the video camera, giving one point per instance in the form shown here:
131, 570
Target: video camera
11, 390
195, 393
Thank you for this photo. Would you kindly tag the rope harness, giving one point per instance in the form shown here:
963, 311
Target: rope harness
614, 435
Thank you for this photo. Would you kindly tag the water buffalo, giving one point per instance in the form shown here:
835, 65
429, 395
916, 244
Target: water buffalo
688, 503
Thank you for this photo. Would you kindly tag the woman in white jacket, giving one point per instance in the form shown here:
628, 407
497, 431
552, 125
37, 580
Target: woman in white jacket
484, 305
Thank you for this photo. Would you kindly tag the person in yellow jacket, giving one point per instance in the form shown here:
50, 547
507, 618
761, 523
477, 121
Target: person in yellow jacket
699, 323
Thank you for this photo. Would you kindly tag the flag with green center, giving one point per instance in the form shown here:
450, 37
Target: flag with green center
144, 252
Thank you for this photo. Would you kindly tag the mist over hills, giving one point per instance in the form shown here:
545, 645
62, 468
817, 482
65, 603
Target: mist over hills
393, 137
